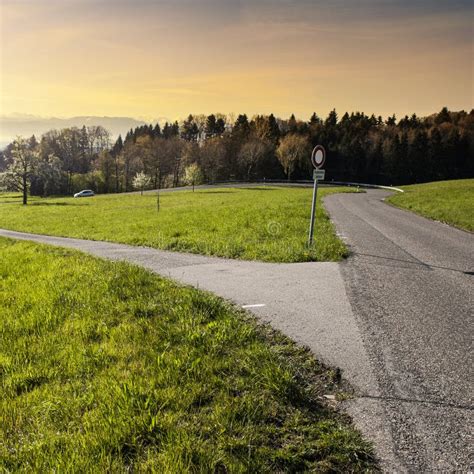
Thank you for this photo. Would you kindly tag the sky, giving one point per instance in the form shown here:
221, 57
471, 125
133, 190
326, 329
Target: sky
168, 58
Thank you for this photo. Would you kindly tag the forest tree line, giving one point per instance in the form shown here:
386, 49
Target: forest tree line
216, 148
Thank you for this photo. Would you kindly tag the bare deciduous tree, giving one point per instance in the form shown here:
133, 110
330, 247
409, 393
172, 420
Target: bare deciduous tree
292, 150
251, 153
213, 154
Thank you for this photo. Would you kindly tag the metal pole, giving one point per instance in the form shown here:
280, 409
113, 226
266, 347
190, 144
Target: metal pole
313, 212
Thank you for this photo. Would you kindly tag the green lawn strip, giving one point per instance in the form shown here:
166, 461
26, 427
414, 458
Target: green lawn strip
267, 223
451, 202
106, 367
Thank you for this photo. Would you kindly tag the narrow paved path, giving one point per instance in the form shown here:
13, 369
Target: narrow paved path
412, 297
306, 301
396, 318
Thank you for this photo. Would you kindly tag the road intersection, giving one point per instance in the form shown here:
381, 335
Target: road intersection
396, 317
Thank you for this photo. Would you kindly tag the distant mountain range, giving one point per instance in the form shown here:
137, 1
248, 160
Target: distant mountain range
27, 125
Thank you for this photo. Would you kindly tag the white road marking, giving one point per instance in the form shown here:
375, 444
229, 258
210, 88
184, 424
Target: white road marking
245, 306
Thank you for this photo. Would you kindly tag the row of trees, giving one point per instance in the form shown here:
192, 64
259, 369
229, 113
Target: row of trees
220, 148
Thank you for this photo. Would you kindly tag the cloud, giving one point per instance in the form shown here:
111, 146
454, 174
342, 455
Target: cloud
169, 57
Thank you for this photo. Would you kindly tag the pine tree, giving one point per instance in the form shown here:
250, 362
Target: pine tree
211, 126
314, 120
391, 153
404, 123
452, 146
331, 120
436, 154
402, 169
189, 129
167, 130
292, 124
128, 136
418, 158
220, 126
414, 121
175, 129
274, 129
156, 131
443, 116
241, 126
391, 121
118, 145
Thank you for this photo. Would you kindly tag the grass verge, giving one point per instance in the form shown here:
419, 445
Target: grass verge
266, 223
107, 367
450, 202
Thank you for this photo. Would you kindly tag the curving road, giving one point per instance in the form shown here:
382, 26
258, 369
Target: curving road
396, 317
410, 282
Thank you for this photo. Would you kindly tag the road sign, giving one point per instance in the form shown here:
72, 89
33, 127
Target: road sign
319, 174
318, 157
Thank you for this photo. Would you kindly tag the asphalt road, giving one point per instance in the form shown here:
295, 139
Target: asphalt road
396, 317
412, 298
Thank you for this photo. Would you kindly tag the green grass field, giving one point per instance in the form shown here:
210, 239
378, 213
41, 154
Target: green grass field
267, 223
105, 367
451, 202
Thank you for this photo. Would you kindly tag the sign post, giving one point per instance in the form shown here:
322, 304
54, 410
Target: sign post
318, 157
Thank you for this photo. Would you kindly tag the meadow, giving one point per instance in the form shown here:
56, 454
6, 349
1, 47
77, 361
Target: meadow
451, 202
257, 223
106, 367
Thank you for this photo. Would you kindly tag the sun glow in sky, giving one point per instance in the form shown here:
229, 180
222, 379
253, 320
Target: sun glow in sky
169, 58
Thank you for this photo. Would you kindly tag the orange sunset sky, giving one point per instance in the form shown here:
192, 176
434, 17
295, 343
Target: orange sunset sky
169, 58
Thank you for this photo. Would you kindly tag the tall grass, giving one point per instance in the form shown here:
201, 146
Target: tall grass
105, 367
267, 223
451, 202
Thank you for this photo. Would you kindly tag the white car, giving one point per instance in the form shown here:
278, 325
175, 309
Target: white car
84, 193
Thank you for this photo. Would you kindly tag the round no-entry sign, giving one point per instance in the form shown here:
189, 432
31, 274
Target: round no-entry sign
318, 157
